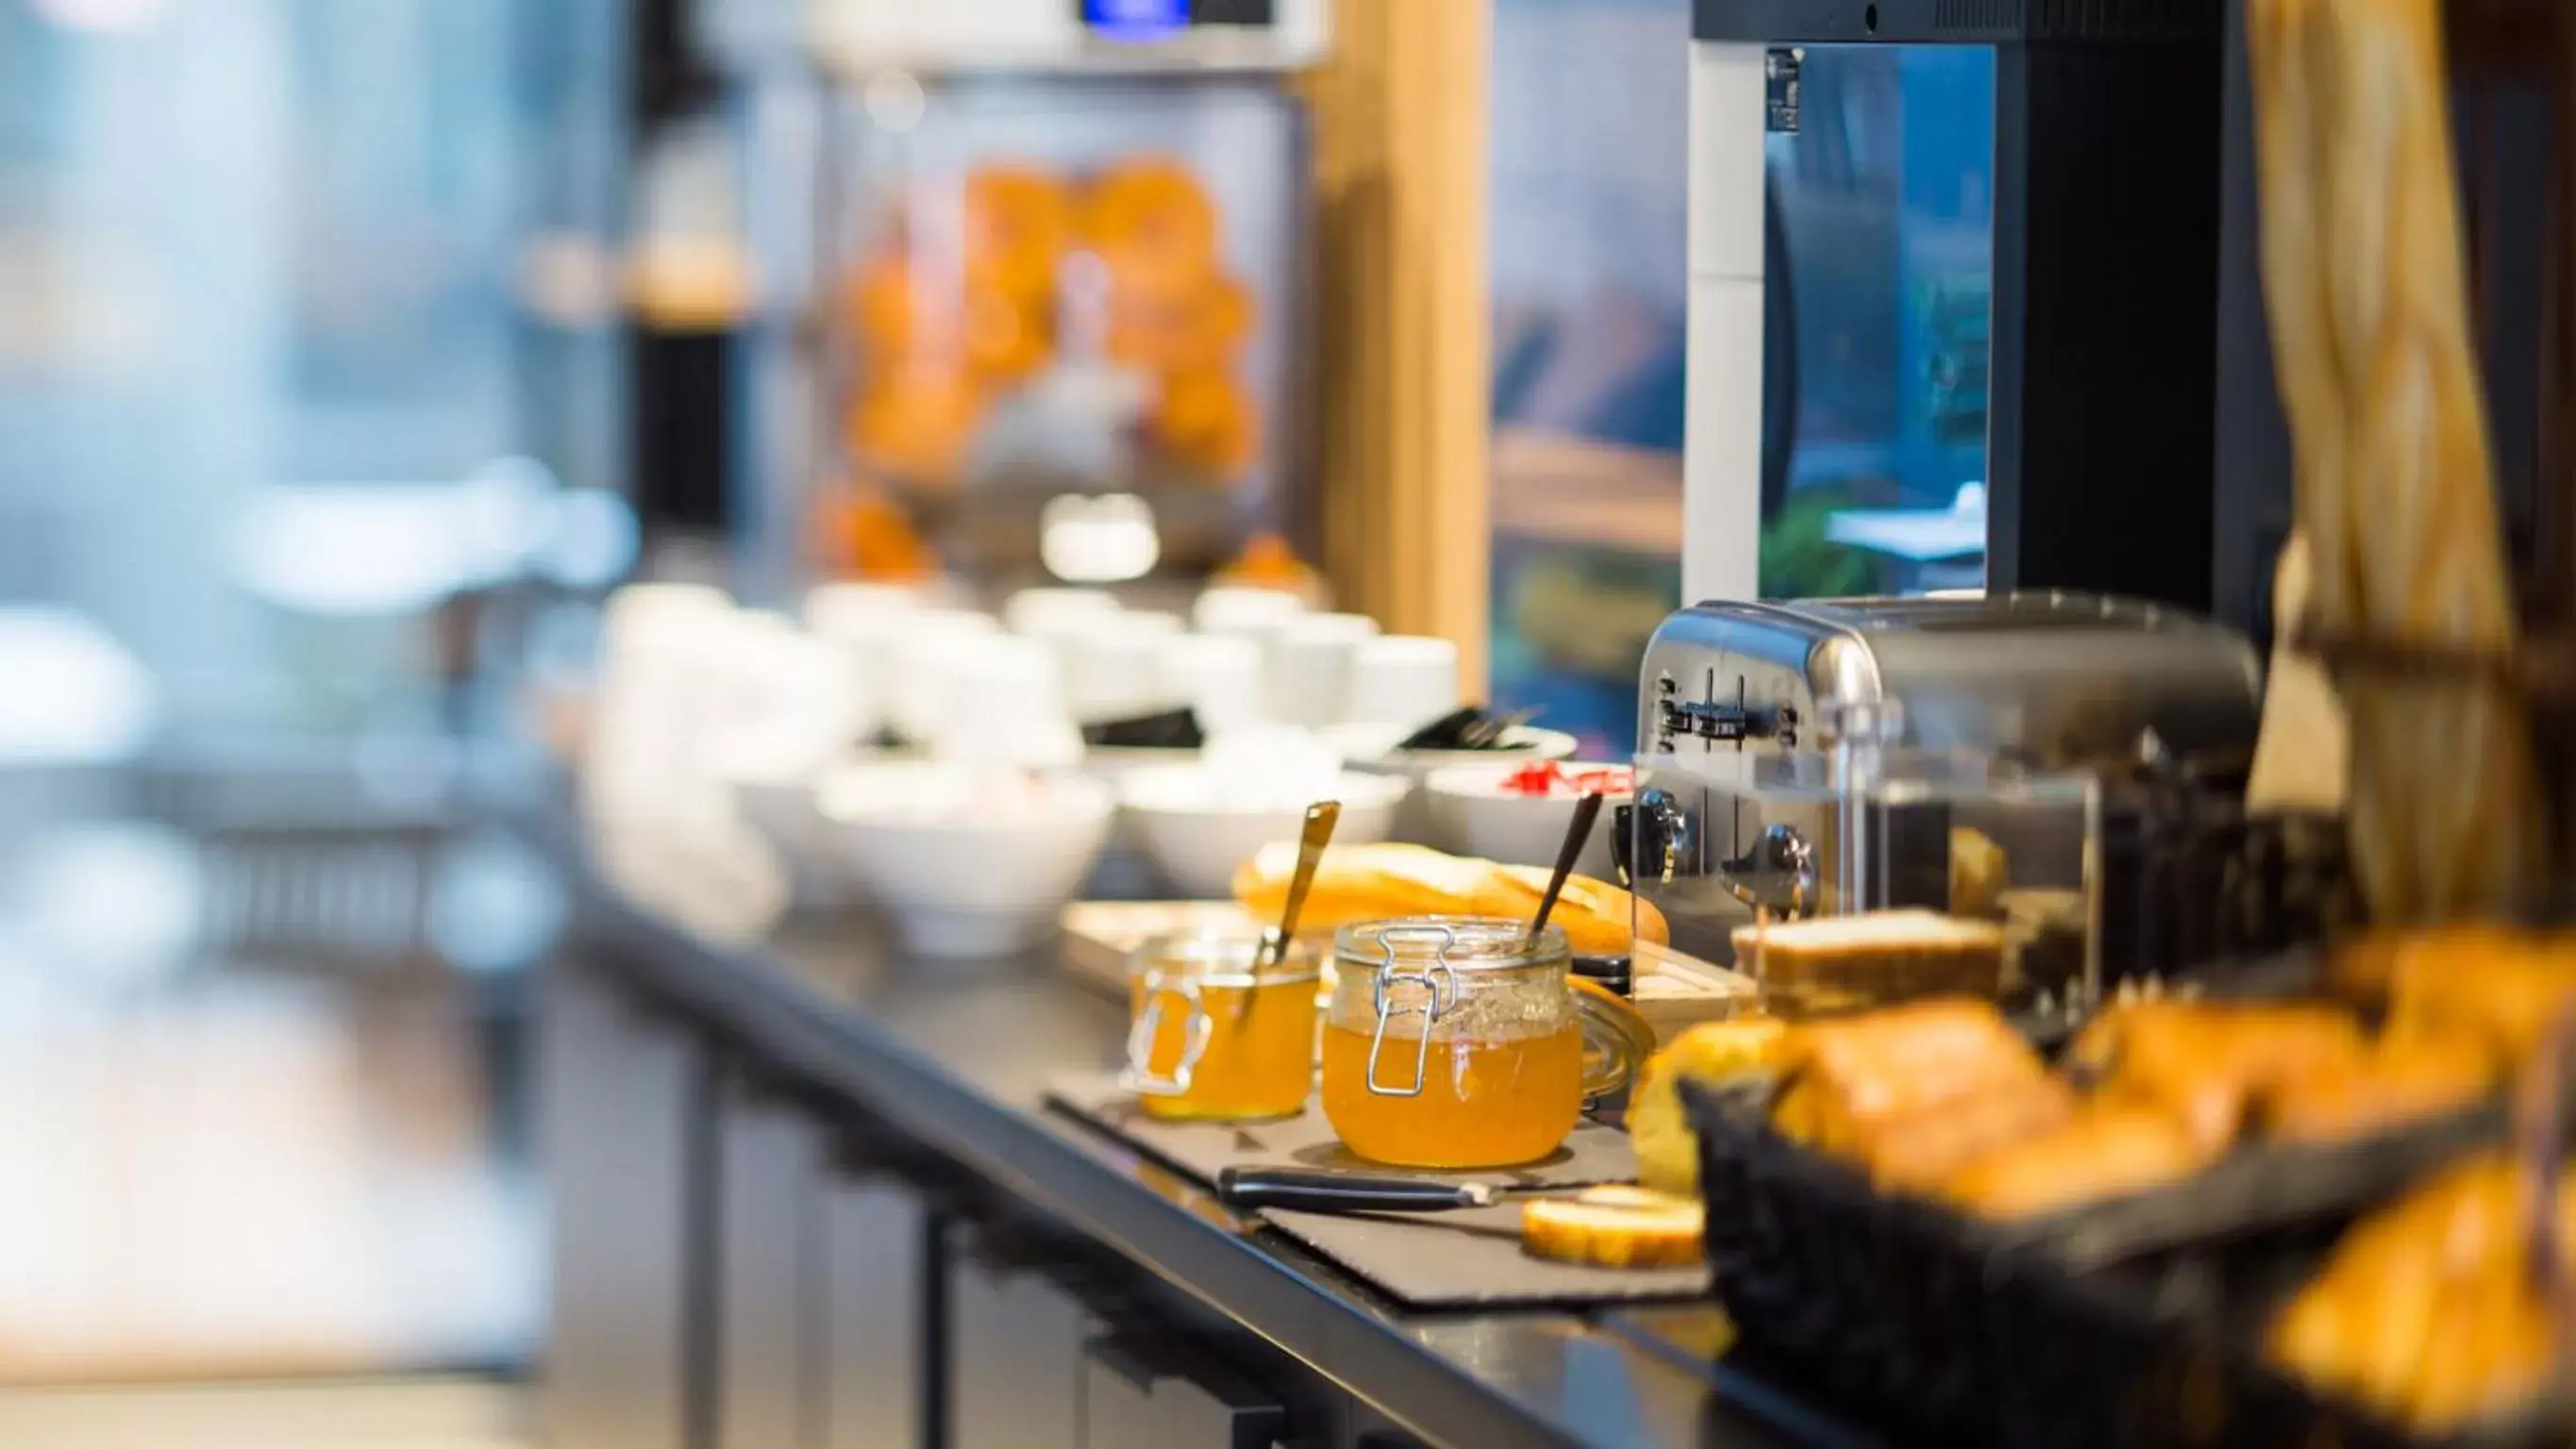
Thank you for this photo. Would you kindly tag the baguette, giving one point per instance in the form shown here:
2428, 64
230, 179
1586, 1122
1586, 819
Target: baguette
2364, 285
1355, 883
1614, 1227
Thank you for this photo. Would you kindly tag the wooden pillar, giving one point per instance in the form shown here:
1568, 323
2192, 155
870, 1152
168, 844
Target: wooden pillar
1400, 178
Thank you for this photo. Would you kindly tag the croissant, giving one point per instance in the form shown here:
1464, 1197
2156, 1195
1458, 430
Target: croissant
2426, 1309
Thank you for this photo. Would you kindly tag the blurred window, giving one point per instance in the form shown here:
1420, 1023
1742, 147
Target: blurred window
248, 245
1591, 119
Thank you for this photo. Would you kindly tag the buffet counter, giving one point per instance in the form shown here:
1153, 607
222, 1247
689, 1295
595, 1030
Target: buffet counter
807, 1193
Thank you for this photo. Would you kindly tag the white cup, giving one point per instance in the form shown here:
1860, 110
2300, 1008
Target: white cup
1218, 676
1402, 679
645, 607
665, 687
916, 694
873, 644
1051, 610
864, 620
1308, 674
831, 609
1256, 613
802, 694
1002, 704
1155, 622
1112, 674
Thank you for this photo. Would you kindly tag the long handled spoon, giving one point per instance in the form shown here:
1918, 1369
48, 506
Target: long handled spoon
1321, 817
1578, 833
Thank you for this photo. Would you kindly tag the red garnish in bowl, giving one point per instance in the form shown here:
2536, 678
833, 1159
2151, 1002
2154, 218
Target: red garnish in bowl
1601, 780
1545, 777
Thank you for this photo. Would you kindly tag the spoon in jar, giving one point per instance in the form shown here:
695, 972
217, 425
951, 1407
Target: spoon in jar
1578, 833
1321, 817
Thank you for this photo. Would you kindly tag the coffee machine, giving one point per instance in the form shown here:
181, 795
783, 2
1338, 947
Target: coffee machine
1953, 293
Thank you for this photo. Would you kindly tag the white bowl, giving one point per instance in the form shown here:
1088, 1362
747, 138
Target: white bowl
781, 811
772, 783
1110, 764
1116, 762
966, 862
1472, 815
1372, 748
1197, 836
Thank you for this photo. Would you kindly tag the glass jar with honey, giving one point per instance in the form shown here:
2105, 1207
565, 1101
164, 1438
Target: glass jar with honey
1464, 1042
1222, 1028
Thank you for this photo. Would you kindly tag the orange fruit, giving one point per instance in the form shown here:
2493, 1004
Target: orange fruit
1154, 226
915, 423
1197, 329
1205, 423
1006, 338
1019, 220
894, 314
1268, 562
868, 536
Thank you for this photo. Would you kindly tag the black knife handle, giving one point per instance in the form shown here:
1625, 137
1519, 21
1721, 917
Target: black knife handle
1336, 1192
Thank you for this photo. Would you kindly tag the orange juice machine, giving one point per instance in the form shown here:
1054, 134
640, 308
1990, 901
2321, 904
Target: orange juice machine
1030, 282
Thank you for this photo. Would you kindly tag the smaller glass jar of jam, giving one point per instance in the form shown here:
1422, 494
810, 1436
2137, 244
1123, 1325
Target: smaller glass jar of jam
1222, 1027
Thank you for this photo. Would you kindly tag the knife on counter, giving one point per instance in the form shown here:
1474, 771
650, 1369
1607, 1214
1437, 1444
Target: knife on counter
1294, 1190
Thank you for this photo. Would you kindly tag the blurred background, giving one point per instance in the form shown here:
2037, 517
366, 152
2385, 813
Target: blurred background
315, 416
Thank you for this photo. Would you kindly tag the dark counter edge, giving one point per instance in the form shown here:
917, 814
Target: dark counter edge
846, 1052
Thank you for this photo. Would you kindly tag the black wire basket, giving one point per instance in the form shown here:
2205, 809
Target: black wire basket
1973, 1333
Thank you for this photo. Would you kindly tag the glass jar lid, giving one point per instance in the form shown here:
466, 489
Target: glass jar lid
1462, 943
1218, 957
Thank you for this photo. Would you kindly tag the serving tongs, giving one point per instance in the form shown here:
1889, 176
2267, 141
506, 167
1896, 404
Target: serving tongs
1468, 727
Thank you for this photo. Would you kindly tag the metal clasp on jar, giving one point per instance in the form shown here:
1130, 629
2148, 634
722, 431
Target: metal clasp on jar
1139, 1075
1439, 982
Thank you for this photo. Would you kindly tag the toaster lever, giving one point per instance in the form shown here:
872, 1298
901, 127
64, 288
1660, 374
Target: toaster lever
1711, 720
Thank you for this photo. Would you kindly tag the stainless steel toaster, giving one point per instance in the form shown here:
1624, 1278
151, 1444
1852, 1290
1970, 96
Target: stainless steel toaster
1737, 786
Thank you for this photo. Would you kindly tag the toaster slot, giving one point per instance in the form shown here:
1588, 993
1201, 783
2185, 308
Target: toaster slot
1732, 719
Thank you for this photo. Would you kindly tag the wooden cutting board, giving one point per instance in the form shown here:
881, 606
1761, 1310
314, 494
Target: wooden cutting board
1673, 992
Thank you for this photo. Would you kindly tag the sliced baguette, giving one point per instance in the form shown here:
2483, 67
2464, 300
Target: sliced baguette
1872, 958
1614, 1227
